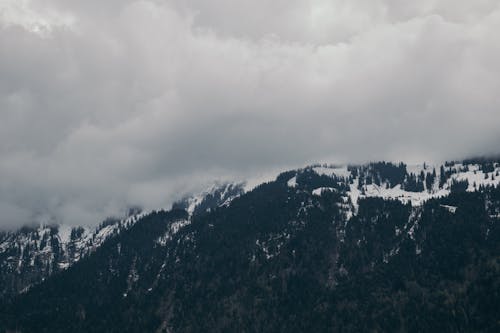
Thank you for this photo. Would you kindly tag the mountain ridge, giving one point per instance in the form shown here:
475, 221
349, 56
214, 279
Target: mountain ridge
186, 272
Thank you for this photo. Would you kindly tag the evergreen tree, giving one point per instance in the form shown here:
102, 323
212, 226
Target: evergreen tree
429, 181
442, 177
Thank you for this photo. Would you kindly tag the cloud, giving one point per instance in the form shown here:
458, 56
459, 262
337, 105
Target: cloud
103, 106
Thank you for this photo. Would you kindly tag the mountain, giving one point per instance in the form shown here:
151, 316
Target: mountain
216, 196
33, 253
375, 247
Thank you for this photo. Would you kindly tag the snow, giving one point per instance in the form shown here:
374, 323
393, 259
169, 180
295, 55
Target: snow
30, 250
354, 193
129, 221
415, 198
320, 190
478, 178
29, 247
473, 176
416, 169
63, 265
176, 226
104, 233
261, 178
413, 222
418, 198
333, 171
171, 231
64, 232
451, 209
272, 246
195, 200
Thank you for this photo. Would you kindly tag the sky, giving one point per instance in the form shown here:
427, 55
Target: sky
108, 104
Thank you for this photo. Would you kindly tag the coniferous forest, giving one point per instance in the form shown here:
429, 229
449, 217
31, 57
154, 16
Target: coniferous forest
284, 258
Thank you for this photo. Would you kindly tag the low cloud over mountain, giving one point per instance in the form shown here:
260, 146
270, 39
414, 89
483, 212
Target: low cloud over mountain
106, 105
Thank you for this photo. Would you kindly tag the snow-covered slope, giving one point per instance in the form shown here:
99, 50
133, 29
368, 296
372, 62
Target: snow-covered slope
416, 184
215, 196
31, 254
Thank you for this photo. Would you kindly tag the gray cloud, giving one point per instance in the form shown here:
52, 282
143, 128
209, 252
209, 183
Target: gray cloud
138, 102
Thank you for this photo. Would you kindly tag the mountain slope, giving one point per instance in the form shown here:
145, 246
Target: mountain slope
32, 254
295, 254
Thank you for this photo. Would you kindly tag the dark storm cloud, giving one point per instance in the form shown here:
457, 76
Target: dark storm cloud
104, 105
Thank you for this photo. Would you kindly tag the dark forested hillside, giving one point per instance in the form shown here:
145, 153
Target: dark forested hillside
293, 255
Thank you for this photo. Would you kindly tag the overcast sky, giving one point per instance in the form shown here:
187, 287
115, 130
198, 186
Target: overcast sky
105, 104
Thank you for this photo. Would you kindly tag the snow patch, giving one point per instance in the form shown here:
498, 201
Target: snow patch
292, 182
64, 233
451, 209
320, 190
477, 177
173, 228
415, 198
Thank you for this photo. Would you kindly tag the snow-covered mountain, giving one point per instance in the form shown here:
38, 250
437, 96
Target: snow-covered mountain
386, 241
31, 254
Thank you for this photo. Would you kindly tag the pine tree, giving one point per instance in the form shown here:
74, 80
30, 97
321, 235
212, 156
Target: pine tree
422, 176
429, 181
442, 177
